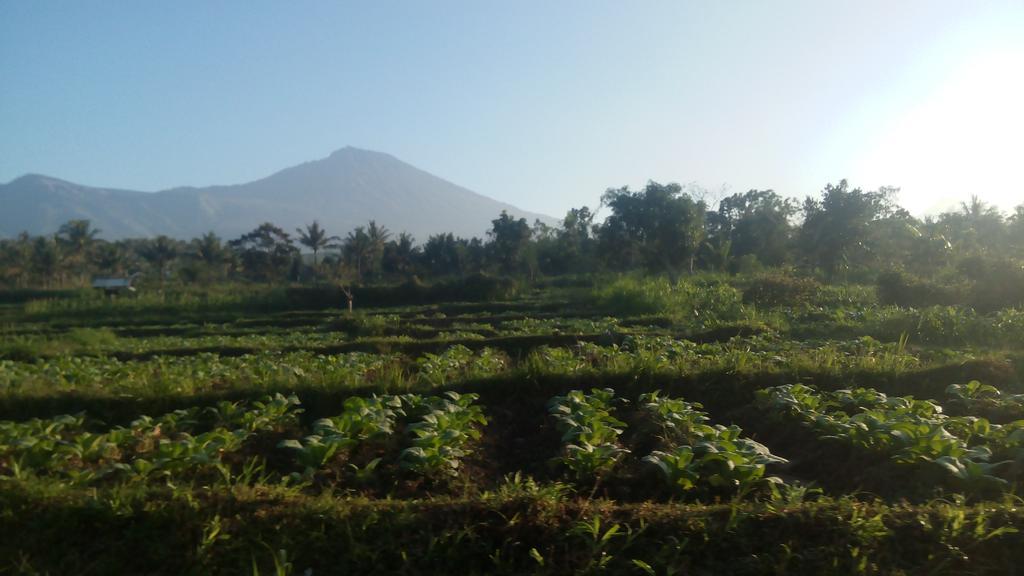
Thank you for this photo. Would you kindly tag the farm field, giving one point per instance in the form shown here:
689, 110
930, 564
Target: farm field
717, 425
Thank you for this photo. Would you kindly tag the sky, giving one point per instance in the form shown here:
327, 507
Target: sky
540, 104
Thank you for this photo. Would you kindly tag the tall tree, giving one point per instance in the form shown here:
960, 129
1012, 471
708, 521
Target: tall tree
399, 255
1015, 229
364, 248
266, 253
316, 239
15, 260
659, 227
46, 259
835, 229
758, 223
976, 229
356, 250
211, 254
160, 252
109, 258
574, 245
441, 255
509, 239
77, 238
378, 237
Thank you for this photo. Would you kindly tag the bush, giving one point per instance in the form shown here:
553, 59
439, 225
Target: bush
995, 284
21, 296
365, 325
900, 289
92, 339
476, 288
702, 301
781, 290
29, 347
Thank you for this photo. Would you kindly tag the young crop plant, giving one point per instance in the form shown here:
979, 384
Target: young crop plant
555, 360
975, 397
903, 429
165, 446
185, 375
458, 362
589, 432
703, 455
678, 420
172, 457
442, 430
442, 437
271, 413
361, 419
314, 451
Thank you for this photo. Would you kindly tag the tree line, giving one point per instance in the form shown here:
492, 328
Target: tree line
846, 233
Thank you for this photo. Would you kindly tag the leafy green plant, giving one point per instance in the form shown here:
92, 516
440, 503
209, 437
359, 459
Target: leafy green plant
589, 432
700, 454
906, 430
442, 436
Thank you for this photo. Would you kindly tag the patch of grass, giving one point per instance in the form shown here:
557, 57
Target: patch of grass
521, 529
697, 302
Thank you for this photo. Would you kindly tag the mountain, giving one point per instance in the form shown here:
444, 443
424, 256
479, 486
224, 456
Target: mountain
344, 190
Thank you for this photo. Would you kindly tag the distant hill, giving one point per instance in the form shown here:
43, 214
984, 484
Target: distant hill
344, 190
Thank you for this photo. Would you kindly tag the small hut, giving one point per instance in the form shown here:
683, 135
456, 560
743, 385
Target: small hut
115, 286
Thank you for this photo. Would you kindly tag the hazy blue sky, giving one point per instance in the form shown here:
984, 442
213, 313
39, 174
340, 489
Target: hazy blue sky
542, 104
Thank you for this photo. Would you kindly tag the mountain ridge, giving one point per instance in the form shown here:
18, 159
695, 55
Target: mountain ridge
343, 190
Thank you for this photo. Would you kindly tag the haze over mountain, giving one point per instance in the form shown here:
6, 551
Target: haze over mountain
344, 190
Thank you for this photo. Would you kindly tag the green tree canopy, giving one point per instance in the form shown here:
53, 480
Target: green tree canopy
266, 253
659, 227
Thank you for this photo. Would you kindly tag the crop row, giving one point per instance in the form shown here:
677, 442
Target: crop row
272, 371
437, 432
967, 450
181, 339
691, 454
266, 371
439, 429
420, 436
185, 440
975, 397
659, 354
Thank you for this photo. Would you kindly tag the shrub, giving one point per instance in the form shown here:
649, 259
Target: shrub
475, 288
900, 289
781, 290
997, 285
705, 302
92, 339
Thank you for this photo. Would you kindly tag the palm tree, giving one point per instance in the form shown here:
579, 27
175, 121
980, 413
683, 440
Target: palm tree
976, 209
77, 238
15, 259
159, 252
209, 250
46, 257
1016, 227
377, 237
355, 248
399, 255
980, 225
316, 239
109, 257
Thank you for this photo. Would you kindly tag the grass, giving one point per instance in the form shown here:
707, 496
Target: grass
519, 528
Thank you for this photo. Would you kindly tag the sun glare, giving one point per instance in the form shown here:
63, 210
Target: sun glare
964, 138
